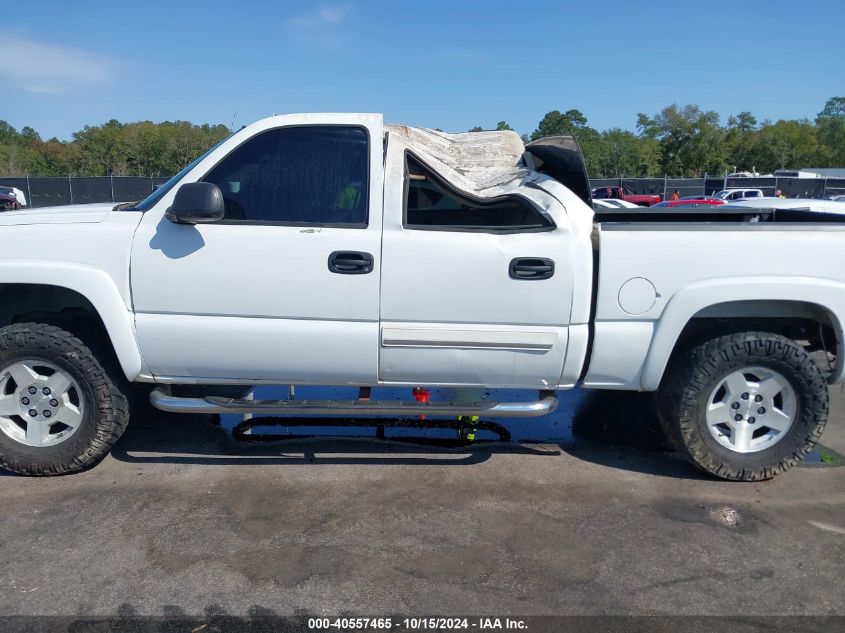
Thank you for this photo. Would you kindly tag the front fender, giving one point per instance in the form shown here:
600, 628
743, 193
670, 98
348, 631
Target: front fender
692, 299
96, 286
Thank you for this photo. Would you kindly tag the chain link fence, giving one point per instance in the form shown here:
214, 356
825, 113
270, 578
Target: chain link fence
707, 186
53, 191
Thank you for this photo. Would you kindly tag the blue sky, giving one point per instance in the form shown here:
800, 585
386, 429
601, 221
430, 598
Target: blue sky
447, 64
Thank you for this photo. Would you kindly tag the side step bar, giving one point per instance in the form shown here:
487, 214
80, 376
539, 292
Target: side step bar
160, 399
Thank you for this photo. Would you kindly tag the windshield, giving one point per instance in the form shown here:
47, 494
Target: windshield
147, 203
722, 195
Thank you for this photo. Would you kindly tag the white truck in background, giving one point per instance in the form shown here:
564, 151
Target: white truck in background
332, 249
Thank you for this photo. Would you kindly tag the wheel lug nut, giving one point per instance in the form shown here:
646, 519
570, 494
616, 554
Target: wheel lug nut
758, 398
761, 410
745, 396
47, 413
737, 417
54, 403
24, 400
735, 405
751, 420
32, 390
33, 412
46, 391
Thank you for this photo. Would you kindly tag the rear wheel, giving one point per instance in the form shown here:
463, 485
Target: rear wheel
61, 410
744, 407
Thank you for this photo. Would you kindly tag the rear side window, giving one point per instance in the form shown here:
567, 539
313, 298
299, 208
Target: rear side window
310, 175
430, 203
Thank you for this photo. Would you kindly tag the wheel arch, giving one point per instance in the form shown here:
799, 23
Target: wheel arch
63, 290
716, 307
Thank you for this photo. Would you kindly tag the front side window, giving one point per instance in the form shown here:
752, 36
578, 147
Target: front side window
310, 175
431, 203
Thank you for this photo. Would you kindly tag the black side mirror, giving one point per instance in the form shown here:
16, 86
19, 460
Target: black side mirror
197, 203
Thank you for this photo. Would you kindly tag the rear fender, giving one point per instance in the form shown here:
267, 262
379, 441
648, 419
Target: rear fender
689, 301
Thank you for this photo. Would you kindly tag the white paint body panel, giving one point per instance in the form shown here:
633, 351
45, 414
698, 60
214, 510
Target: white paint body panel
66, 214
693, 267
261, 300
450, 312
486, 355
257, 304
255, 350
89, 255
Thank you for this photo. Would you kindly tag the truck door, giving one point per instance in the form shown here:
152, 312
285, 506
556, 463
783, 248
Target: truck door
285, 288
473, 291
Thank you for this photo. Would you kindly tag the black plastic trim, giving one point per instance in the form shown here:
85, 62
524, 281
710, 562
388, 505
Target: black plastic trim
531, 268
351, 263
356, 225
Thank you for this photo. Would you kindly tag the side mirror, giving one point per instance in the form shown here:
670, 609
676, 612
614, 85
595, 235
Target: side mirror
197, 203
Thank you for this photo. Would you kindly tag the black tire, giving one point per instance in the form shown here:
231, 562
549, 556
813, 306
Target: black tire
102, 386
691, 379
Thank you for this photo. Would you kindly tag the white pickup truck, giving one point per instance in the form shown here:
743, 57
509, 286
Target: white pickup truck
332, 249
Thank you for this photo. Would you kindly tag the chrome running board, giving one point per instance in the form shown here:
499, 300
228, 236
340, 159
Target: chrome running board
160, 399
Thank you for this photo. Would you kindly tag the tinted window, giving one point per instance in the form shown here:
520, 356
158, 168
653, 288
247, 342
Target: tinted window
431, 203
297, 175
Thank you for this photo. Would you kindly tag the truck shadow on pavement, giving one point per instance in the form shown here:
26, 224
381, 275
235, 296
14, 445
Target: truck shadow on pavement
190, 439
620, 429
617, 430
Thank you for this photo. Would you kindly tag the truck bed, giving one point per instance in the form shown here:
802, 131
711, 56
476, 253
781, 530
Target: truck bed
653, 267
732, 213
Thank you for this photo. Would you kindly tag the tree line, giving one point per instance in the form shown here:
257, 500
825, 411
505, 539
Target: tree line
111, 149
686, 141
679, 141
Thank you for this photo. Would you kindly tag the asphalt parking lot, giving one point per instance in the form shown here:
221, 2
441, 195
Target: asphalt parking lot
181, 520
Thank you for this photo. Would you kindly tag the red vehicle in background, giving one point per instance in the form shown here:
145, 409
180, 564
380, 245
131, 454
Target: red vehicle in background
8, 202
692, 201
642, 199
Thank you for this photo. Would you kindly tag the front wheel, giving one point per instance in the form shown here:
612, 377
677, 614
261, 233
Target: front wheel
61, 409
745, 406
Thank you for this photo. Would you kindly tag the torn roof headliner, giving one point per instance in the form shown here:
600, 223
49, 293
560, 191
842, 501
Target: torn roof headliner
485, 163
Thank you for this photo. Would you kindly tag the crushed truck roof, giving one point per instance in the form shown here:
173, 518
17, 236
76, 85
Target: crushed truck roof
484, 163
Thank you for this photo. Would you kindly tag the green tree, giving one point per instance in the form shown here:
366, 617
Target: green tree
830, 131
741, 141
555, 123
787, 145
572, 123
834, 107
691, 140
623, 153
104, 148
503, 125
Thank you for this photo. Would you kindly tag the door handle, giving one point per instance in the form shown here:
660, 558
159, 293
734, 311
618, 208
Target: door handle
350, 263
531, 268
